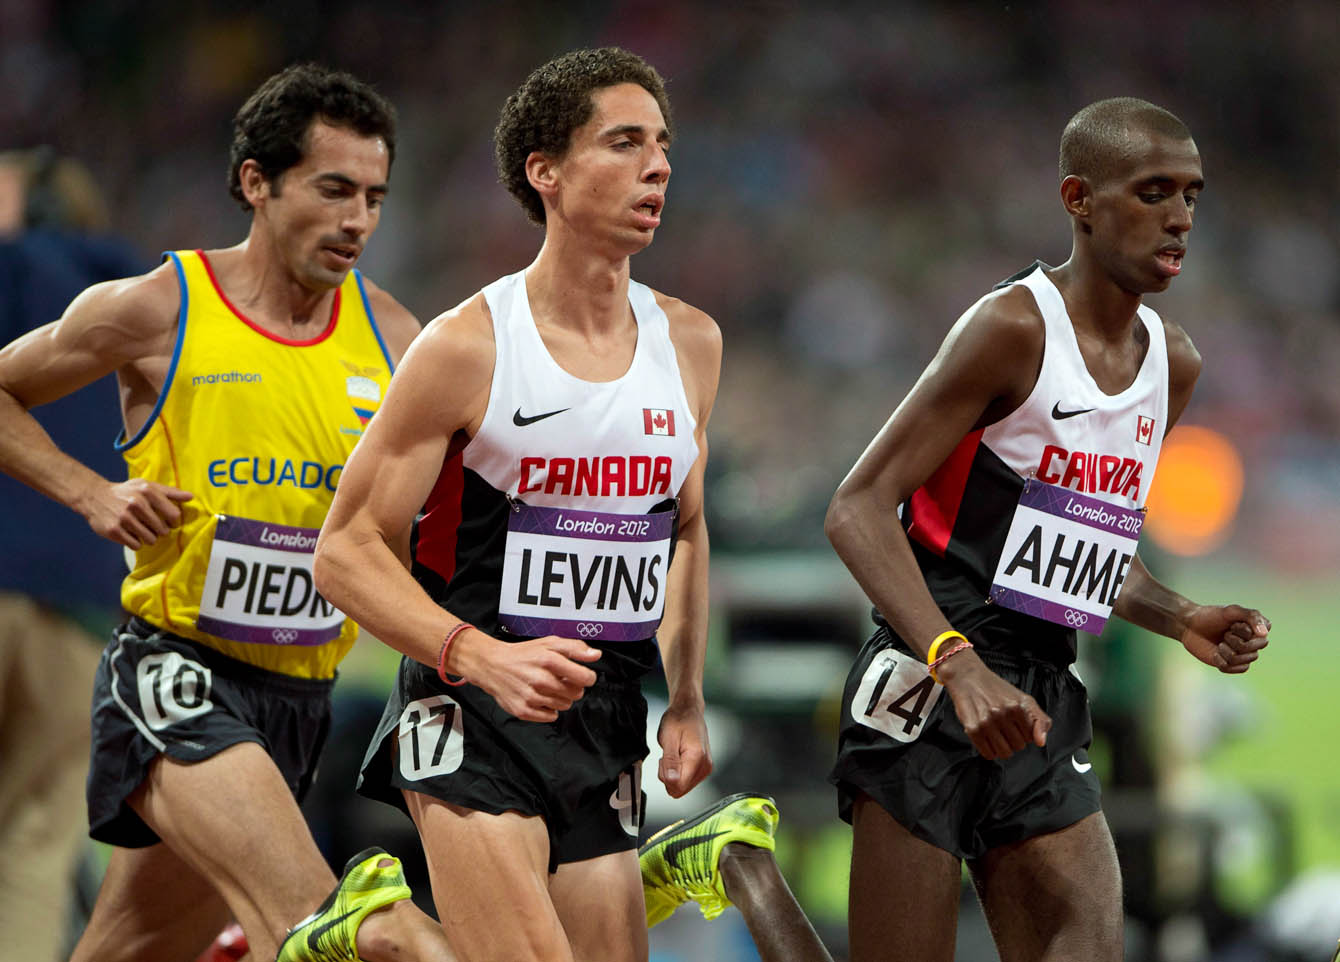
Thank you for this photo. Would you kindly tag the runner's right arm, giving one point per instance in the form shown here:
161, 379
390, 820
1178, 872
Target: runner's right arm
985, 368
435, 403
126, 326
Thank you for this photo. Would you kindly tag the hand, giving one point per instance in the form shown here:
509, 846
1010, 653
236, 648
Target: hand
1227, 637
686, 758
999, 718
533, 680
134, 513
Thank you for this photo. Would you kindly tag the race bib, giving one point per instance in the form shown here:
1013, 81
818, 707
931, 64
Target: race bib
1066, 556
896, 695
584, 574
259, 586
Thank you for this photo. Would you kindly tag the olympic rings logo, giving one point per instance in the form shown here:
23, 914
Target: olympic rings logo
589, 629
284, 636
1076, 619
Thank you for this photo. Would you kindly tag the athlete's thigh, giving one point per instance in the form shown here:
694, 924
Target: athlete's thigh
904, 894
232, 818
600, 903
490, 877
152, 907
1055, 896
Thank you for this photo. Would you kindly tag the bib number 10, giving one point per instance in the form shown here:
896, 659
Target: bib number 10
172, 689
895, 696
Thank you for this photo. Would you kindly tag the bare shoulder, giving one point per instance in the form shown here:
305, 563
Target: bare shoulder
1184, 365
447, 372
1007, 320
1183, 359
989, 361
697, 341
461, 334
127, 325
456, 348
126, 319
693, 332
395, 321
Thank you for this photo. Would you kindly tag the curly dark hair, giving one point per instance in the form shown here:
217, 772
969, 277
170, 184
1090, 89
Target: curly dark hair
553, 102
271, 127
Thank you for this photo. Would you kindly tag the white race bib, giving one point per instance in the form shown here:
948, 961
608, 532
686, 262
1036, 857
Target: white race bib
584, 574
1066, 556
896, 695
259, 586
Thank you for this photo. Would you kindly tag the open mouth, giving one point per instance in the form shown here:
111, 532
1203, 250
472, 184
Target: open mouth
650, 207
344, 253
1171, 260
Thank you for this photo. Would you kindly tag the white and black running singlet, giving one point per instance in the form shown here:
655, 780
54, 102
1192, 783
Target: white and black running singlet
1040, 512
559, 515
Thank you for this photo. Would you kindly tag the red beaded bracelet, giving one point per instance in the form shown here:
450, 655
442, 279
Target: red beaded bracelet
442, 655
961, 646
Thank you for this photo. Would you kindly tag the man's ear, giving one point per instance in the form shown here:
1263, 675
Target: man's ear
542, 172
255, 187
1076, 196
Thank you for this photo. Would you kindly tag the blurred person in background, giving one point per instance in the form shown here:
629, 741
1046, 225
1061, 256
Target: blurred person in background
59, 582
1021, 460
246, 376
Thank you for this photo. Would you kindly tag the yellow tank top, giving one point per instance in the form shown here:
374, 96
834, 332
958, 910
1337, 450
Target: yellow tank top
257, 428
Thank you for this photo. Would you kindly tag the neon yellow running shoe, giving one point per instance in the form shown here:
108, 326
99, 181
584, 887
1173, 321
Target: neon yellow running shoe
329, 934
680, 862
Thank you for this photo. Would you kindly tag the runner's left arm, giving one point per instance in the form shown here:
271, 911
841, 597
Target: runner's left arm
686, 757
1227, 637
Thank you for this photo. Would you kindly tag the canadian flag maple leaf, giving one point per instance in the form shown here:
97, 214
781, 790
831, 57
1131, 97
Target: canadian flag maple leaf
658, 421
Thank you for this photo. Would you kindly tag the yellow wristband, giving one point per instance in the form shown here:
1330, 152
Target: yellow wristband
941, 639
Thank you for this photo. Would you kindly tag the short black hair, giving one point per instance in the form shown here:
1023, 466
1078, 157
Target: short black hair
553, 102
271, 127
1097, 139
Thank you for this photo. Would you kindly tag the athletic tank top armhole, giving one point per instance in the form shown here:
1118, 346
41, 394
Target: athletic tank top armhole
1022, 280
122, 445
495, 303
372, 319
654, 323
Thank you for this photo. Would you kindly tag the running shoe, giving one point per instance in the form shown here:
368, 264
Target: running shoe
681, 861
330, 933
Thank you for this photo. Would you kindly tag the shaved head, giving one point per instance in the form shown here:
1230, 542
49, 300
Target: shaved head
1103, 138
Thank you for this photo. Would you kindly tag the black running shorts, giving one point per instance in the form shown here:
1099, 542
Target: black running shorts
582, 773
158, 694
901, 743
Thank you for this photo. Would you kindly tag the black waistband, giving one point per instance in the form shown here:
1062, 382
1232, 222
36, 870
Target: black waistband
226, 665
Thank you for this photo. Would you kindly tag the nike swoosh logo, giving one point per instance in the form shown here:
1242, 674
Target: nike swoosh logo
677, 846
1080, 767
521, 421
314, 936
1062, 415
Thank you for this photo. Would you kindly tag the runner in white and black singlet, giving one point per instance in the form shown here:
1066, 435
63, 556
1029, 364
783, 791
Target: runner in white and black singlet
551, 430
1021, 460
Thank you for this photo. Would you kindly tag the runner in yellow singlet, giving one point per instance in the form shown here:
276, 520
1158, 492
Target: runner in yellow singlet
246, 377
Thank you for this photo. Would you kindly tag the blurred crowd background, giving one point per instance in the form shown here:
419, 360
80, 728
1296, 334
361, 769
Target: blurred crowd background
848, 179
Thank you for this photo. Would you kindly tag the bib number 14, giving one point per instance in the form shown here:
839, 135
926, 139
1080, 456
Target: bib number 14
895, 696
